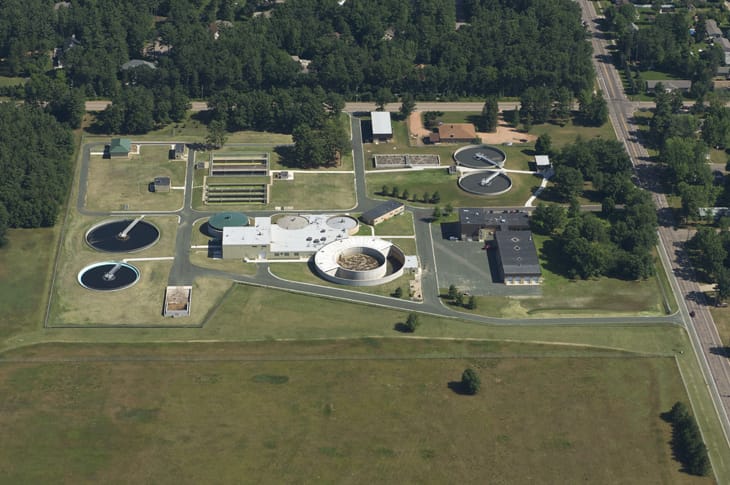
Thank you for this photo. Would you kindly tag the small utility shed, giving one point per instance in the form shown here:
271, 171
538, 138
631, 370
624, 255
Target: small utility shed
542, 162
178, 151
120, 148
382, 127
162, 184
383, 212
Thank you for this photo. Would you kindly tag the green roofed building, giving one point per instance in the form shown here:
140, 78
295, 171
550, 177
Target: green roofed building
226, 219
120, 147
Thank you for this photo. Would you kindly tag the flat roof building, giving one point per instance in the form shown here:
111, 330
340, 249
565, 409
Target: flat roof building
382, 127
383, 212
290, 237
517, 261
542, 162
725, 45
482, 224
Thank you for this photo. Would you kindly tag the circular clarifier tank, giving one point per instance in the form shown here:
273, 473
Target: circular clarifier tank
122, 236
486, 183
344, 223
292, 222
108, 276
480, 156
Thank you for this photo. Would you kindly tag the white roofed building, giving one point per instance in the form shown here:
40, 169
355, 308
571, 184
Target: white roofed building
382, 126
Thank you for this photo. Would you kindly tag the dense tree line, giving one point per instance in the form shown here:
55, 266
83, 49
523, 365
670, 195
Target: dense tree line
35, 160
685, 154
616, 242
602, 162
358, 49
619, 241
709, 252
689, 448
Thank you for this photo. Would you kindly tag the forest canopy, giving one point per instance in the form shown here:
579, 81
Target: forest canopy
203, 47
35, 160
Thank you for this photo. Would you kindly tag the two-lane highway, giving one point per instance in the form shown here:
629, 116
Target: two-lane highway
701, 327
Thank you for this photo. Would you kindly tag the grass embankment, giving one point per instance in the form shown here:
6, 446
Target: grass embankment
262, 416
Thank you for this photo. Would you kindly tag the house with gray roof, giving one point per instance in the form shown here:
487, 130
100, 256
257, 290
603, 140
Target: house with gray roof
681, 85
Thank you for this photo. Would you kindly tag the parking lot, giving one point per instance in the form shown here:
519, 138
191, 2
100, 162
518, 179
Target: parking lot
467, 265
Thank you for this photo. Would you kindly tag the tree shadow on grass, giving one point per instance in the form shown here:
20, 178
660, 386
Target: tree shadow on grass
401, 327
286, 156
457, 387
552, 255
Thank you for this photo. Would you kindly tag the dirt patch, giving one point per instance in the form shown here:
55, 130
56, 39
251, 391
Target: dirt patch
505, 133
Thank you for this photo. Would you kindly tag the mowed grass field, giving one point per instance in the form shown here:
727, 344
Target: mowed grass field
359, 417
446, 185
123, 184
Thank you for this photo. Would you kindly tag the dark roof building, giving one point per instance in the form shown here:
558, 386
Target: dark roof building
480, 224
383, 212
683, 85
517, 261
162, 184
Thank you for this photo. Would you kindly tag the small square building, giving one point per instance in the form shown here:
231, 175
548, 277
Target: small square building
382, 126
161, 184
120, 148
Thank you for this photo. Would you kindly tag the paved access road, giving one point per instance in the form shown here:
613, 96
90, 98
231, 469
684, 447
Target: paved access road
701, 327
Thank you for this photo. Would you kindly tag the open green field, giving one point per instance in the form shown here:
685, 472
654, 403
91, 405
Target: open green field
564, 135
440, 181
401, 225
303, 273
123, 184
310, 191
26, 265
292, 419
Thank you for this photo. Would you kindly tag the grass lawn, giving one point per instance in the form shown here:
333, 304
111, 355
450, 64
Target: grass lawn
26, 265
311, 191
302, 272
401, 225
721, 316
563, 135
12, 81
440, 181
114, 184
378, 420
